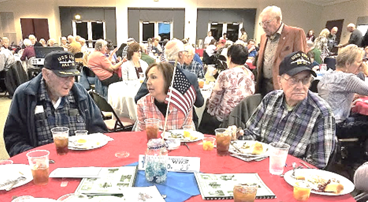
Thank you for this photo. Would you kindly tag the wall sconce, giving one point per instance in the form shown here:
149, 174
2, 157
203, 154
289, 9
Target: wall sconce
77, 17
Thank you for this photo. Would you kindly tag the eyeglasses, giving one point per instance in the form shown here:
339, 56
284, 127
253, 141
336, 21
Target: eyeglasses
266, 23
293, 81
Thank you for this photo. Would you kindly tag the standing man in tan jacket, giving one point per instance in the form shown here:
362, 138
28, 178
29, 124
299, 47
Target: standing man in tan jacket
278, 41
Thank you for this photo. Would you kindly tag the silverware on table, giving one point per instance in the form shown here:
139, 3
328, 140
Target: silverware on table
236, 148
293, 174
304, 164
186, 145
14, 182
249, 158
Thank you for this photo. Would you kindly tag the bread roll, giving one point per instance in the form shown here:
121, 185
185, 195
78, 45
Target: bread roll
257, 148
334, 187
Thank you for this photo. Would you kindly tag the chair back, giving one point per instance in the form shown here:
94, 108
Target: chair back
106, 107
314, 85
88, 72
15, 76
242, 112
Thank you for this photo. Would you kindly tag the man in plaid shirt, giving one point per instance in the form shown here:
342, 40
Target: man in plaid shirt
190, 64
294, 115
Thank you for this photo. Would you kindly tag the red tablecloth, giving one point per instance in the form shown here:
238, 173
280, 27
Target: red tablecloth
135, 143
199, 52
361, 107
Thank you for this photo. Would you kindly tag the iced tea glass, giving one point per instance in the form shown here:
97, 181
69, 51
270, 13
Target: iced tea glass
61, 139
200, 83
301, 191
245, 192
223, 138
39, 163
152, 126
278, 154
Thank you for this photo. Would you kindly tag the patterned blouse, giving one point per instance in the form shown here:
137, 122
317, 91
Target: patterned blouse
321, 44
146, 109
231, 87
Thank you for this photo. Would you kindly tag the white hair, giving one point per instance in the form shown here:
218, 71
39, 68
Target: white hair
99, 44
27, 42
173, 48
189, 48
273, 11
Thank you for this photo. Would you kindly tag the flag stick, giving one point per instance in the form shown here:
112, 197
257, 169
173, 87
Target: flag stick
168, 104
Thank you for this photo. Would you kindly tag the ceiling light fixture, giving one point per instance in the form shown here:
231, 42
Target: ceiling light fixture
77, 17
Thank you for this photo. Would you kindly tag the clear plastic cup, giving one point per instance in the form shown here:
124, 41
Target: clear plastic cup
301, 190
6, 162
81, 132
278, 155
39, 163
245, 192
61, 139
223, 138
208, 143
152, 126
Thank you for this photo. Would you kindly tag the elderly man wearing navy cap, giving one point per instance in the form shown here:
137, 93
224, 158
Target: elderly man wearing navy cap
51, 99
294, 115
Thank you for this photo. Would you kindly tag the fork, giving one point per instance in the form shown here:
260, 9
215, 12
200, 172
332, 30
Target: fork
14, 182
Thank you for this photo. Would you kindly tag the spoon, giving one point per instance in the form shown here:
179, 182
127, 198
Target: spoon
294, 164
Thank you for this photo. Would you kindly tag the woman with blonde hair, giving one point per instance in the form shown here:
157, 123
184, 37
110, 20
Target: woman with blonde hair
339, 88
321, 43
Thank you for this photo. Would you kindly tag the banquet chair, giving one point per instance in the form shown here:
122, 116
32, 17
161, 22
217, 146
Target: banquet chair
116, 123
313, 86
242, 112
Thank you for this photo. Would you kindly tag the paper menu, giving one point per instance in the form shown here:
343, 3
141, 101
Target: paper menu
76, 172
220, 186
111, 180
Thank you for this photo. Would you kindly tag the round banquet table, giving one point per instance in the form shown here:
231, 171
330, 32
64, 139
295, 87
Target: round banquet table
135, 144
361, 106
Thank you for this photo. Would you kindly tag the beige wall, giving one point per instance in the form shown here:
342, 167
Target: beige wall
295, 13
349, 11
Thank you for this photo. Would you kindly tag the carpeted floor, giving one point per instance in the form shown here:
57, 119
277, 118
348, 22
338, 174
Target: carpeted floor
4, 109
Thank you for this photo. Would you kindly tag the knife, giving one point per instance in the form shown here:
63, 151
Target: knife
304, 164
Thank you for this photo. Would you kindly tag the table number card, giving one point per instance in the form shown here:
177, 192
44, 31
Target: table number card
177, 164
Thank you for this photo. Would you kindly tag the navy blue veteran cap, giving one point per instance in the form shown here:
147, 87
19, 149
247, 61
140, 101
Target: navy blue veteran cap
61, 63
294, 63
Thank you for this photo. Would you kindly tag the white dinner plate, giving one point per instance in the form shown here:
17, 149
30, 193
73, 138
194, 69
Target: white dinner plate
348, 185
82, 198
197, 135
244, 147
86, 142
41, 200
13, 171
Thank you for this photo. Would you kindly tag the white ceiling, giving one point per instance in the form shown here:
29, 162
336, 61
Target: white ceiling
325, 2
316, 2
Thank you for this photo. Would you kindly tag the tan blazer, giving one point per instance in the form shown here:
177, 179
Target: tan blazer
292, 39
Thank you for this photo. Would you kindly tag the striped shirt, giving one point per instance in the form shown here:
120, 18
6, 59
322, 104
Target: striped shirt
309, 128
338, 89
147, 109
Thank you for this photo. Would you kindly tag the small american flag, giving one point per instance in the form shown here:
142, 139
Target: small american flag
182, 92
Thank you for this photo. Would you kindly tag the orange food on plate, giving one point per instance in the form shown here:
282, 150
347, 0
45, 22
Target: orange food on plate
207, 146
334, 187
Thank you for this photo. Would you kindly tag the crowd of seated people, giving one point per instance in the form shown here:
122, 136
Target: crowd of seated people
309, 122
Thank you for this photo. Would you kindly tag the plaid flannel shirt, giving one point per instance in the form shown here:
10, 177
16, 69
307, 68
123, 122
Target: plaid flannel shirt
195, 68
309, 128
147, 109
65, 115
